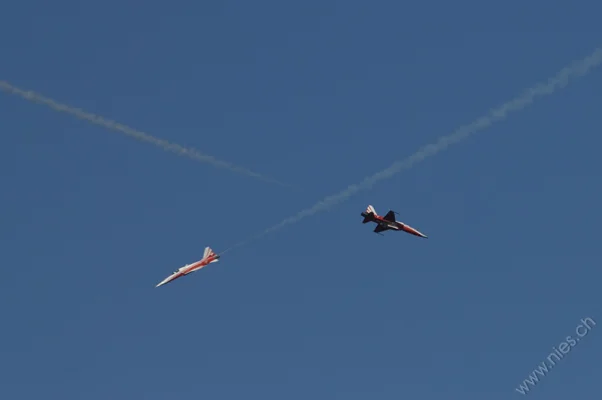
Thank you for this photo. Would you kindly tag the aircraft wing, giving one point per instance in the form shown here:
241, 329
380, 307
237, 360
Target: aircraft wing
390, 216
380, 228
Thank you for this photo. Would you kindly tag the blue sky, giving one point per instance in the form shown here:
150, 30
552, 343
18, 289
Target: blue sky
319, 94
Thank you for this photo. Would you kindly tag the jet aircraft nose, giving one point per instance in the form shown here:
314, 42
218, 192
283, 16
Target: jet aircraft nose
163, 282
414, 231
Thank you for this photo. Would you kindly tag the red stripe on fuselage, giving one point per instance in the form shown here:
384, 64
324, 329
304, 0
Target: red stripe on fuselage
397, 225
195, 266
199, 264
380, 220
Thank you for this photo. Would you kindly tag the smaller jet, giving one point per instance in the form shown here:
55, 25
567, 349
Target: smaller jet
387, 222
208, 257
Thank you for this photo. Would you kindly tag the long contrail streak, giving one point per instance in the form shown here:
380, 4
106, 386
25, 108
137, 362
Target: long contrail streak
133, 133
577, 69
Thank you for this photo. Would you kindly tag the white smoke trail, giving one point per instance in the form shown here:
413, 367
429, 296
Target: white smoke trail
141, 136
576, 69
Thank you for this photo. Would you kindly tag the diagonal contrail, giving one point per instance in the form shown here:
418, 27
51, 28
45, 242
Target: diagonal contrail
133, 133
577, 69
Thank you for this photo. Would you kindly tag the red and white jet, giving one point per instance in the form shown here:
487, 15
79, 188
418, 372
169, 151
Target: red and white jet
387, 222
208, 257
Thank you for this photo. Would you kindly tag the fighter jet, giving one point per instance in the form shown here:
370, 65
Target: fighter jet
387, 222
208, 257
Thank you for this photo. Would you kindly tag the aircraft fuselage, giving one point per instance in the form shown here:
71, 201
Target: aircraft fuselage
393, 225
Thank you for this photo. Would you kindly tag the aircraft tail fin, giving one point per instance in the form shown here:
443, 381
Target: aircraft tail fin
209, 253
369, 214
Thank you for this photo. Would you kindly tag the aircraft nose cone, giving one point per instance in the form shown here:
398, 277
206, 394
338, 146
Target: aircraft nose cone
163, 282
413, 231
